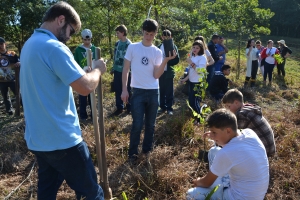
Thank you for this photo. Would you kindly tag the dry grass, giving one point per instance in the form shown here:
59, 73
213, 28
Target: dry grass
174, 161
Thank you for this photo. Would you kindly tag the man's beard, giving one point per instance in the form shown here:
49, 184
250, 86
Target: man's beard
62, 34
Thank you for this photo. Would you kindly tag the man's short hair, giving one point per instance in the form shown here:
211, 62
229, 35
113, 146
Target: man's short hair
167, 33
215, 36
2, 40
150, 25
224, 67
122, 29
65, 9
222, 118
232, 95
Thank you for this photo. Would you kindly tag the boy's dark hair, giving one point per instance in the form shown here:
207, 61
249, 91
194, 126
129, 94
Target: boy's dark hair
231, 95
166, 33
222, 118
200, 44
65, 9
224, 67
122, 29
215, 36
150, 25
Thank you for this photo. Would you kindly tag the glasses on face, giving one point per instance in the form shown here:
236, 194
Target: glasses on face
258, 45
72, 31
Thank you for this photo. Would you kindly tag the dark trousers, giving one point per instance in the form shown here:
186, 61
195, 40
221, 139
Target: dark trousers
280, 68
118, 90
254, 69
194, 99
73, 165
144, 105
268, 70
83, 102
5, 94
166, 92
211, 71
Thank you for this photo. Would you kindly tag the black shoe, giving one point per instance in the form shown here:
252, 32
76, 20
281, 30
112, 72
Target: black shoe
11, 112
118, 112
132, 160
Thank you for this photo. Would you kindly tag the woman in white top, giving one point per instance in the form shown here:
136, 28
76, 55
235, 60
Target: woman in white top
252, 55
269, 61
196, 62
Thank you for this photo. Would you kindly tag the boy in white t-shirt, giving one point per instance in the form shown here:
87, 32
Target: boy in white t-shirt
243, 157
147, 65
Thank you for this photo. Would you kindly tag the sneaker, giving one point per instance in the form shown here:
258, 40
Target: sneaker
117, 112
133, 160
160, 111
170, 112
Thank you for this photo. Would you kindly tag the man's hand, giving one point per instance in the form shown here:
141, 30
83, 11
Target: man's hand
196, 182
125, 96
100, 64
221, 57
170, 56
17, 64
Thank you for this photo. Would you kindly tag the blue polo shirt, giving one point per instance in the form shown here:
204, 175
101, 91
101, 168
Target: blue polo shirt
47, 70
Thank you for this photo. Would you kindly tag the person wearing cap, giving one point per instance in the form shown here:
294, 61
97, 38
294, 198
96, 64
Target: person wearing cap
166, 85
221, 50
119, 53
6, 74
48, 76
213, 50
80, 57
284, 52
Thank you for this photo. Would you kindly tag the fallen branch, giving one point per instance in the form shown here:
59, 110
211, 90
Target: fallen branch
14, 190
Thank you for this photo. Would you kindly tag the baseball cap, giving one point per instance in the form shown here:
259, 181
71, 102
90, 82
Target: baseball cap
281, 41
2, 40
86, 33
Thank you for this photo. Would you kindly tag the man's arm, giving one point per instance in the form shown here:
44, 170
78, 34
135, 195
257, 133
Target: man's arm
205, 181
213, 53
88, 82
159, 70
126, 68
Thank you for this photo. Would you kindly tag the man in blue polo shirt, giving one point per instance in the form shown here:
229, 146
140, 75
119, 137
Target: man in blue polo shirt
49, 73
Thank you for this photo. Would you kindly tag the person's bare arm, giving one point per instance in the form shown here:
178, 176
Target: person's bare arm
205, 181
159, 70
126, 68
211, 61
88, 82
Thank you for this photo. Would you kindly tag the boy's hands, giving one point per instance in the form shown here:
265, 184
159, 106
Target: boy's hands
170, 57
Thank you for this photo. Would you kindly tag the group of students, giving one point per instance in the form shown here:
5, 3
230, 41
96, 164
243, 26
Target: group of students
53, 134
265, 58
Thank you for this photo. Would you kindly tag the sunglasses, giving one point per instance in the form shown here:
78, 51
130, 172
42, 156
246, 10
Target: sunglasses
72, 31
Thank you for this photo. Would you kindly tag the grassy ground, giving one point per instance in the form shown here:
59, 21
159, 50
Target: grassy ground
174, 161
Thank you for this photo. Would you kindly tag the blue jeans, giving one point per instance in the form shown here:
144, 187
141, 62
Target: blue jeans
118, 90
83, 102
166, 92
144, 102
194, 100
73, 165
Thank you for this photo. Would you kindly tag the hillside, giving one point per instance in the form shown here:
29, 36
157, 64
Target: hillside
174, 161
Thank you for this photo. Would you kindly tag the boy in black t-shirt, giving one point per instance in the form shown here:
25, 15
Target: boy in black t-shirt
219, 83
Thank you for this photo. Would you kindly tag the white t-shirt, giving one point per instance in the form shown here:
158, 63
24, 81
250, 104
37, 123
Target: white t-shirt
207, 53
200, 62
244, 158
143, 60
270, 59
253, 54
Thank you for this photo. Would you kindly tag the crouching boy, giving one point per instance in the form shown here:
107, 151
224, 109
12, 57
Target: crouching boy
243, 157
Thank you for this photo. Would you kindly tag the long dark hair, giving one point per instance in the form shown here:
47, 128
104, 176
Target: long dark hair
249, 43
200, 44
